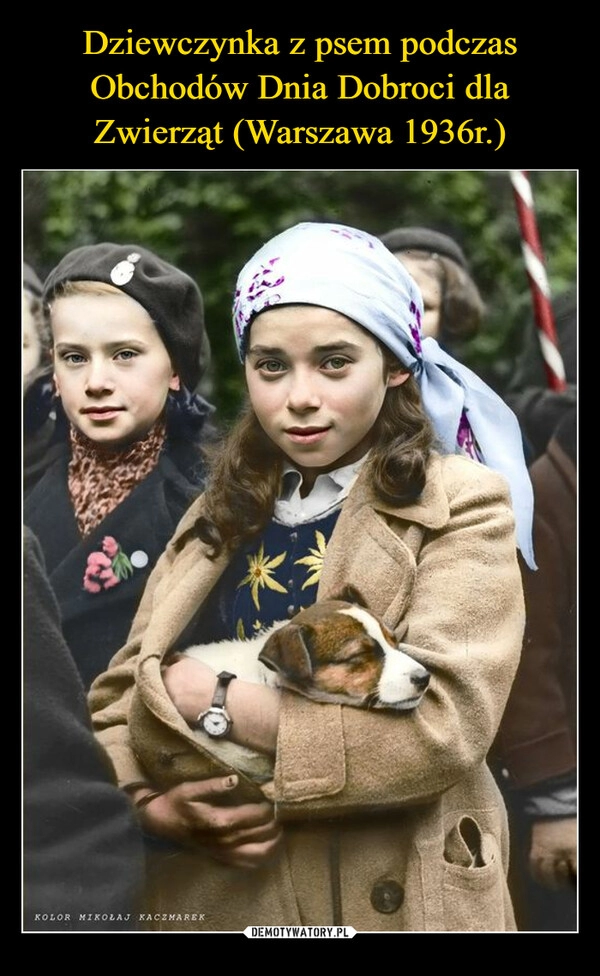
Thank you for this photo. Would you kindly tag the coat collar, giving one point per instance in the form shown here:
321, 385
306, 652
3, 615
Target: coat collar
430, 510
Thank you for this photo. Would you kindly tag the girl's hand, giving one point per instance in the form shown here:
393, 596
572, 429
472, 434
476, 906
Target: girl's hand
200, 814
553, 854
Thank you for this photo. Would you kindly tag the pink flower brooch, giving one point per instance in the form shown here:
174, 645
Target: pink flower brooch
107, 568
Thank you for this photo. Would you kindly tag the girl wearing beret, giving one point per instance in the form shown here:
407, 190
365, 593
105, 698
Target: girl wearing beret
128, 340
365, 456
453, 306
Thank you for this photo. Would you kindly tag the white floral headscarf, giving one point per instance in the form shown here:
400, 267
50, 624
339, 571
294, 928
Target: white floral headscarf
353, 273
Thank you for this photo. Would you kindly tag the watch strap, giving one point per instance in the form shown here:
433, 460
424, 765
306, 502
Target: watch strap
223, 680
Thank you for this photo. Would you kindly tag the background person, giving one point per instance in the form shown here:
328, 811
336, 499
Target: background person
539, 409
38, 416
127, 330
453, 306
536, 748
82, 848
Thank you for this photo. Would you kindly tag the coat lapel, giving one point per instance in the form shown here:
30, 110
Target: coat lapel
180, 596
141, 524
383, 569
49, 514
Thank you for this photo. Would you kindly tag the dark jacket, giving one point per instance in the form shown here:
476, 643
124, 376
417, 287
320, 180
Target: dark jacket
82, 848
537, 738
39, 425
96, 625
539, 409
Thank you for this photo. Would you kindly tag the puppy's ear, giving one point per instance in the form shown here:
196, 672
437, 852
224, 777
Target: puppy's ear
350, 594
286, 652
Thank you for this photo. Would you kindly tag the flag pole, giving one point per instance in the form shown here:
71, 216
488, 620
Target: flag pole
533, 256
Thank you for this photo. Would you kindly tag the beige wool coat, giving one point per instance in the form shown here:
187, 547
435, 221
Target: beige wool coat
393, 822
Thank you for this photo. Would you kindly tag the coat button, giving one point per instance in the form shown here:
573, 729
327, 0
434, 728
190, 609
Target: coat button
387, 896
139, 559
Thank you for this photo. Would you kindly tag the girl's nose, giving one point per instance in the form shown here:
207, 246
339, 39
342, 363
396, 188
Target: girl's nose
303, 394
98, 378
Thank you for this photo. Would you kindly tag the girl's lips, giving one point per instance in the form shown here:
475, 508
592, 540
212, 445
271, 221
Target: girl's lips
306, 435
101, 413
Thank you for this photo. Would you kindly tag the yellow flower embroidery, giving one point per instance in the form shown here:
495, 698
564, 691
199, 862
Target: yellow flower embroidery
260, 568
314, 561
240, 631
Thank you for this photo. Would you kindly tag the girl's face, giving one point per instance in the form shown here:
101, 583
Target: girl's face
317, 382
111, 368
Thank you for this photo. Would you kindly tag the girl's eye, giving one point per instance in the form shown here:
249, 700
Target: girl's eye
126, 354
73, 357
336, 362
271, 366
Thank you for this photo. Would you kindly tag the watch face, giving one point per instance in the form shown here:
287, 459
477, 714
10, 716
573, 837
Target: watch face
215, 722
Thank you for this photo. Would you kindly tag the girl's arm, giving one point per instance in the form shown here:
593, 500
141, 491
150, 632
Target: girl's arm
111, 693
208, 812
254, 709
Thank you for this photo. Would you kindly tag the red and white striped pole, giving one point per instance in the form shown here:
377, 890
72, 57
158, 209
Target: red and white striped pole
538, 280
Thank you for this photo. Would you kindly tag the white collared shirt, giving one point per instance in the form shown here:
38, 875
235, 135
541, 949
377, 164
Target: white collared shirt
328, 492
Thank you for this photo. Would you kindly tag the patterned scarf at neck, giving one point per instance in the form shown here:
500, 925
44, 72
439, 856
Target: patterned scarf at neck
100, 480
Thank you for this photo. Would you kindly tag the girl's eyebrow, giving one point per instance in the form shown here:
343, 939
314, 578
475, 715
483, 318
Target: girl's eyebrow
266, 351
119, 344
68, 345
341, 346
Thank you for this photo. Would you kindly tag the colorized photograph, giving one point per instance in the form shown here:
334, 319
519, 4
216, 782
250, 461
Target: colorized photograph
300, 551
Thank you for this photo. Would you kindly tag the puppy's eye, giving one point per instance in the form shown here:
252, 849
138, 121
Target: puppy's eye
358, 661
357, 653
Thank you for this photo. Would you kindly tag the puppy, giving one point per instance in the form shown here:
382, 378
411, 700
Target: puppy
335, 651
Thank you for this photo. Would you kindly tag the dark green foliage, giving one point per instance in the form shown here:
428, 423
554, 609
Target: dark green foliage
210, 223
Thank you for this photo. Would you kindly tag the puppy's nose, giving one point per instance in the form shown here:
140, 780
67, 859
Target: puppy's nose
420, 681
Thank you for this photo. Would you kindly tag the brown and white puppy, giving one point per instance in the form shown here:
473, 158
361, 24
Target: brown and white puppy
335, 651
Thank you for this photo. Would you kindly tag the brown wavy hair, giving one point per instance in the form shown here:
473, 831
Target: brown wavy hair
245, 478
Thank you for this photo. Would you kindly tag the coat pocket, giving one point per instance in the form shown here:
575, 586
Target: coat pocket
474, 888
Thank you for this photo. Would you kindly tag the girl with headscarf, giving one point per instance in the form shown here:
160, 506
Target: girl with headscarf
365, 456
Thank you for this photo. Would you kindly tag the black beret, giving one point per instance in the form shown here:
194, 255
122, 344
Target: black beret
171, 298
423, 239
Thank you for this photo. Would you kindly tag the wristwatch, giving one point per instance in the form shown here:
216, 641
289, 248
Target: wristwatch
215, 721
